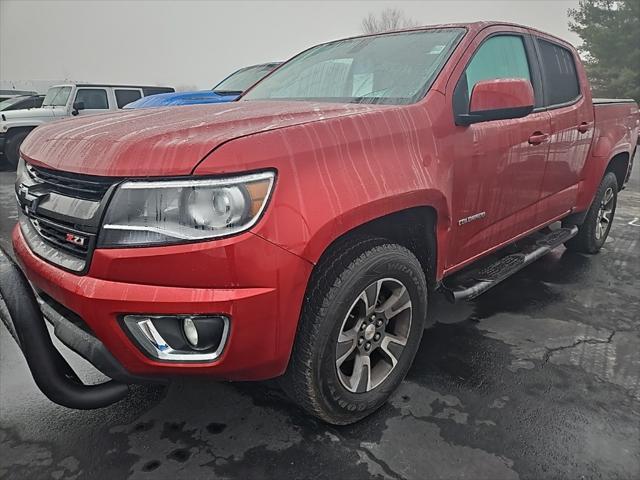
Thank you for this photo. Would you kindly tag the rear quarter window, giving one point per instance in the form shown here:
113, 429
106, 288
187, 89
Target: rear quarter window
124, 97
148, 91
561, 84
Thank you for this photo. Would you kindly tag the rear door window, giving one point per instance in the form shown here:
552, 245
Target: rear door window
93, 98
561, 84
124, 97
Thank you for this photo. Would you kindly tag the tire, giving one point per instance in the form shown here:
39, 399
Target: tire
12, 147
336, 306
594, 230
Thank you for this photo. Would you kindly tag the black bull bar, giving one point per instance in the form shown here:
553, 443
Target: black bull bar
53, 375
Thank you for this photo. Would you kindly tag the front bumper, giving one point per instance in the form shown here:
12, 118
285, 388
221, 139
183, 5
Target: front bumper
20, 313
256, 284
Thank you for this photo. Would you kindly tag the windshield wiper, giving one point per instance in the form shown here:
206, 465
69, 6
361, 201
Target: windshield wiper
369, 98
228, 92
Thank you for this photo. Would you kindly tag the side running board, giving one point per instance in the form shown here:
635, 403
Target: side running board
468, 284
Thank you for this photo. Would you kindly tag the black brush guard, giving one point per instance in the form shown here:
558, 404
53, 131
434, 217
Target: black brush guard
51, 372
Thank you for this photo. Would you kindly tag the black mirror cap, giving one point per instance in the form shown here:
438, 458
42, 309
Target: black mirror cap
78, 106
466, 119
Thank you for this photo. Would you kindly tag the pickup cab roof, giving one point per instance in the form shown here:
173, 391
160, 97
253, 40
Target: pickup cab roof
473, 27
147, 89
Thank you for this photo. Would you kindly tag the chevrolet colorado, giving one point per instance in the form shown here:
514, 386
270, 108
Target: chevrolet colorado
301, 231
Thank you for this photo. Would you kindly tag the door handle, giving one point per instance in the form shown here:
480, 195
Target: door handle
583, 127
538, 137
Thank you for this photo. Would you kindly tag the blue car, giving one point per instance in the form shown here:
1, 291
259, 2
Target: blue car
226, 91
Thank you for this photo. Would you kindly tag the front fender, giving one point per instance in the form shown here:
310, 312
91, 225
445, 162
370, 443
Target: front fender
336, 174
20, 125
318, 240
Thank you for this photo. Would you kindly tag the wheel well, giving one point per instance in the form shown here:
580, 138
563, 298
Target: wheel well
619, 166
14, 130
414, 229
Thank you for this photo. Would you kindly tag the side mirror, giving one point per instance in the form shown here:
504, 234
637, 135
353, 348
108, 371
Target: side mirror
498, 99
77, 106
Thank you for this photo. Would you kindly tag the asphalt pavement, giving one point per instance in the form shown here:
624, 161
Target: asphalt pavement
538, 378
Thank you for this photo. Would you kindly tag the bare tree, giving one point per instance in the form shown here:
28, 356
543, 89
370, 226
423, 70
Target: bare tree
389, 19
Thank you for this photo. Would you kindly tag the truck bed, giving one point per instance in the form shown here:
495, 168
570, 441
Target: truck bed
616, 124
607, 101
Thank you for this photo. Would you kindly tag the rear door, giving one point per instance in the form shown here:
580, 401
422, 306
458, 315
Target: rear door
498, 165
568, 101
95, 100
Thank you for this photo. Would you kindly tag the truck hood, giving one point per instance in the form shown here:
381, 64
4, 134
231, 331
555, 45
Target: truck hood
181, 98
164, 141
26, 113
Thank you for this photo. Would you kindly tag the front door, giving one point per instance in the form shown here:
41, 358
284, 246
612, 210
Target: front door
498, 165
94, 99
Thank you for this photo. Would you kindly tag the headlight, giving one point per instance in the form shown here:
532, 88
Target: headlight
175, 211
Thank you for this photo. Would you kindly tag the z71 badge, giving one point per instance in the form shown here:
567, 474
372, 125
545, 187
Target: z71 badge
75, 239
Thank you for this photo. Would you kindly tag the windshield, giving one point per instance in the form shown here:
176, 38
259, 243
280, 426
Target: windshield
242, 79
10, 101
56, 97
394, 68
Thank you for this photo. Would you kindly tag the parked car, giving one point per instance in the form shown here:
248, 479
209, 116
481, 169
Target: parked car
302, 231
62, 101
21, 102
227, 90
6, 94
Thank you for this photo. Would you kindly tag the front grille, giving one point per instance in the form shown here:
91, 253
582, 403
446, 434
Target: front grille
79, 186
60, 213
69, 240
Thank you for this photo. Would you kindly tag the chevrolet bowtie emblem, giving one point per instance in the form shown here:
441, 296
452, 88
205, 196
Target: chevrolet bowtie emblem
31, 196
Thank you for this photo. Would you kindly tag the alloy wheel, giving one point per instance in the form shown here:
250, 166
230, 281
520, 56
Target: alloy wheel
373, 335
603, 219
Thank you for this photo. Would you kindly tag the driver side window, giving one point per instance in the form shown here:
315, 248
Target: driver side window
501, 56
93, 98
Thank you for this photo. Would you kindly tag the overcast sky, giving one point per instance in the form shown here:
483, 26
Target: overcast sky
197, 43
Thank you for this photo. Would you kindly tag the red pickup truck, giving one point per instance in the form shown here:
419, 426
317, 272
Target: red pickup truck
301, 231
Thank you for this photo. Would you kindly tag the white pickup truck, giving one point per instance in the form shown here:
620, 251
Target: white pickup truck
64, 101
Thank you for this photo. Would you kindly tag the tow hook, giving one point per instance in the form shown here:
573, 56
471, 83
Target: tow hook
21, 314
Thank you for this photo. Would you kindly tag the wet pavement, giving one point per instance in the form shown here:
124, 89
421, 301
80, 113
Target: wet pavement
538, 378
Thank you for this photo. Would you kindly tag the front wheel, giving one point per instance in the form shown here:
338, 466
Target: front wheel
359, 331
597, 224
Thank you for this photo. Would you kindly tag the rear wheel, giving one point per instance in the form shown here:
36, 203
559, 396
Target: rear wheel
594, 231
12, 146
359, 331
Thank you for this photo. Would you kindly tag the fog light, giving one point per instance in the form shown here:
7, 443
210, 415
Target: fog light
190, 331
179, 337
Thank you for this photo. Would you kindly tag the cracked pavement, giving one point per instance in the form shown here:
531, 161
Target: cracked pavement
538, 378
